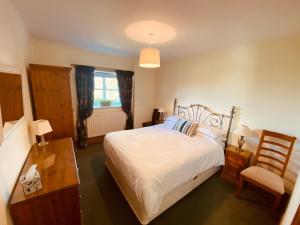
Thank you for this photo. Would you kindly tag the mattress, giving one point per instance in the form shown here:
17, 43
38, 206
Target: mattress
156, 160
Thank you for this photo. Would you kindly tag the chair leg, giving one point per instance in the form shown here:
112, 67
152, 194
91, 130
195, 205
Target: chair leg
239, 187
276, 203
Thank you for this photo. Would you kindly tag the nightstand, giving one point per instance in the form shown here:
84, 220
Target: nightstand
235, 163
147, 124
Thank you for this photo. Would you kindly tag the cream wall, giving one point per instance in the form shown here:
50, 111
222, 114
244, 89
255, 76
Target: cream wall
262, 80
58, 54
14, 149
144, 94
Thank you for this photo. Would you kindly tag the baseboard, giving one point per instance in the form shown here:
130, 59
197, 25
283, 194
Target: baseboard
95, 139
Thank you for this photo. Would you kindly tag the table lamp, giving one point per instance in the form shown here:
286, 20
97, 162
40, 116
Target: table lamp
41, 127
243, 131
161, 111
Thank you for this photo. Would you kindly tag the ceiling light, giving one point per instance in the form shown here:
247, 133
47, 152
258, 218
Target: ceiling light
149, 57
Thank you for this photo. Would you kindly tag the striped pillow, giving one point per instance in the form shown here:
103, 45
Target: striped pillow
186, 127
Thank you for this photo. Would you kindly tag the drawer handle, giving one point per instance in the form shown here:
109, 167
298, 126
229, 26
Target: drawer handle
195, 177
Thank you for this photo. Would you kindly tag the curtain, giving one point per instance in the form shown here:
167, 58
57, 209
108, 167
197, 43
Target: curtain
125, 88
84, 76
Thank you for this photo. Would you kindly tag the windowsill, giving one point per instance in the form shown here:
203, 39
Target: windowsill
107, 107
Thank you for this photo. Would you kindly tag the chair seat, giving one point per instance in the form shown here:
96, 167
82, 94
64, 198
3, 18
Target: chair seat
265, 178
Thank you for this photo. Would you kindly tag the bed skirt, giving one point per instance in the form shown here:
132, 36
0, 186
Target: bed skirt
167, 201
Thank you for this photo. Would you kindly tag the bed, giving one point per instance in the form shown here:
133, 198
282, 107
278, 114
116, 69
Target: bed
156, 166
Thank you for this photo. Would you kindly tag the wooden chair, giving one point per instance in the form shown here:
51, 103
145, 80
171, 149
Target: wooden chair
275, 157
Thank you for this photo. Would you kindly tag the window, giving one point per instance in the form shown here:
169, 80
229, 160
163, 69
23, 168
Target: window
106, 91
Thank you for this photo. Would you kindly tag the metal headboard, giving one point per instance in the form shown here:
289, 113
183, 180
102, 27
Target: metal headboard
203, 114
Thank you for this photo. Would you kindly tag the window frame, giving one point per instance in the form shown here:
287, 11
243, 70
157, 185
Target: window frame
105, 74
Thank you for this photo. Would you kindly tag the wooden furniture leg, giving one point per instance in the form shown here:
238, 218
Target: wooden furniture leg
240, 187
276, 203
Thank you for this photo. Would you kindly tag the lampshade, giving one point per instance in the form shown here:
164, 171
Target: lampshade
244, 131
41, 127
161, 110
149, 58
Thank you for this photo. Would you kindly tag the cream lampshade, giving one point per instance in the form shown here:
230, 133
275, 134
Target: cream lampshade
243, 131
149, 58
162, 112
41, 127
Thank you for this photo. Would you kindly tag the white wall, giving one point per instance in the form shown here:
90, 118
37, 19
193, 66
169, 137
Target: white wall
262, 80
14, 149
144, 92
58, 54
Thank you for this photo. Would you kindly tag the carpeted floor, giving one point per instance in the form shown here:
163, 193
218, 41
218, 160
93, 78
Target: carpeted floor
212, 203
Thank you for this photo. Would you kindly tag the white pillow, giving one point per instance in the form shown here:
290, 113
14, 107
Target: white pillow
213, 132
173, 118
170, 121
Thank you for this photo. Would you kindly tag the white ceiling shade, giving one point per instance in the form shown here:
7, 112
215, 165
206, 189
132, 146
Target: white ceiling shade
149, 58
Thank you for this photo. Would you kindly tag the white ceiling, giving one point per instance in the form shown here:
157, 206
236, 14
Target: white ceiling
200, 25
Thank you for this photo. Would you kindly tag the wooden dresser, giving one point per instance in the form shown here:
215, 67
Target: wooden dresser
58, 202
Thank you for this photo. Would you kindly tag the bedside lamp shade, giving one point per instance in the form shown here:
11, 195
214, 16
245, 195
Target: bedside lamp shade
41, 127
244, 131
161, 110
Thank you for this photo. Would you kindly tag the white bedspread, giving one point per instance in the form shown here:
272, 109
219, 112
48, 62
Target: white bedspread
155, 160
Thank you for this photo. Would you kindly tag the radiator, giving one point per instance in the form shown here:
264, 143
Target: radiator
103, 121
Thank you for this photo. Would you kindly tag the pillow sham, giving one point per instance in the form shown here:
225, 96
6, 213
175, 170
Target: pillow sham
213, 132
186, 127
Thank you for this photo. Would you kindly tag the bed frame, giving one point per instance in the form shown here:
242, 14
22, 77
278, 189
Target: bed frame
197, 113
203, 114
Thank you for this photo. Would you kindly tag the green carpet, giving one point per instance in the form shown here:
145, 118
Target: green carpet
212, 203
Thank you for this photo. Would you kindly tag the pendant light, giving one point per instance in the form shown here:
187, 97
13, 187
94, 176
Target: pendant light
149, 57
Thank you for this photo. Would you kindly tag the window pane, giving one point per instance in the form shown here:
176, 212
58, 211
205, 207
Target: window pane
98, 96
111, 83
98, 82
114, 97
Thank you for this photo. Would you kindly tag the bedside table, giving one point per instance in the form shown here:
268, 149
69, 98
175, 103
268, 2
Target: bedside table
147, 124
235, 163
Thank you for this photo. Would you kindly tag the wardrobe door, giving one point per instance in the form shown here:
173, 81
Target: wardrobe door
51, 92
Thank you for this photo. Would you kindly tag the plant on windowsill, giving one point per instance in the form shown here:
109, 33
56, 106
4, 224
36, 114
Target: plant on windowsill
104, 102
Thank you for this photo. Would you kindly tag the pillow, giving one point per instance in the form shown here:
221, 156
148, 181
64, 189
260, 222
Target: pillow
170, 121
213, 132
186, 127
173, 118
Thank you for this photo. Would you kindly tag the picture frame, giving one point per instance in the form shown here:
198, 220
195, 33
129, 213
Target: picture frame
1, 128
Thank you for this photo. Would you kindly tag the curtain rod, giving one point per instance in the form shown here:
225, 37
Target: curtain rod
101, 68
97, 67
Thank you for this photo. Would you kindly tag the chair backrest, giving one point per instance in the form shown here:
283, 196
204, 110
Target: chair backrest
275, 154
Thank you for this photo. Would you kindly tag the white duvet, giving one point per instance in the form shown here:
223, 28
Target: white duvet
156, 160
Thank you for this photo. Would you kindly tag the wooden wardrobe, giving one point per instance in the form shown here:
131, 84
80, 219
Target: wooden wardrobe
51, 99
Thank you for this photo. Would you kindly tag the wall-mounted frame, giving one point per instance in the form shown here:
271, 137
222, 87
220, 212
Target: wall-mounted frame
1, 128
11, 100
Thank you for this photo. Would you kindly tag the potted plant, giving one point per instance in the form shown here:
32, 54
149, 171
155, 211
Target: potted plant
105, 102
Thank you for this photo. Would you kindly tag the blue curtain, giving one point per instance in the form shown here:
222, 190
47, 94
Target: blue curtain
84, 76
125, 89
